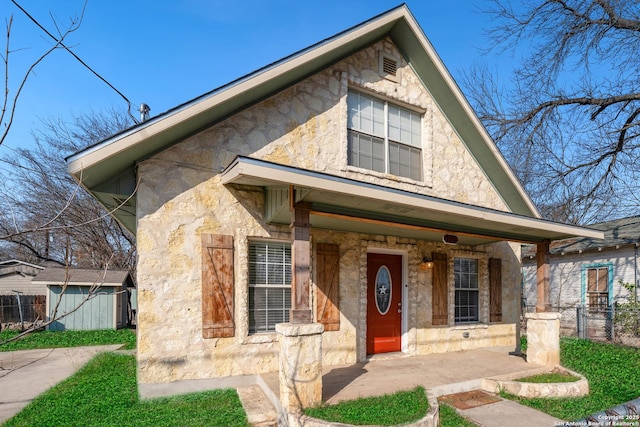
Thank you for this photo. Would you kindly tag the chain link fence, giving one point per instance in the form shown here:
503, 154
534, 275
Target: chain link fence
20, 309
616, 324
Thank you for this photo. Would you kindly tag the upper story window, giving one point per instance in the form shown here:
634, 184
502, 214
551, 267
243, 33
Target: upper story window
383, 137
466, 290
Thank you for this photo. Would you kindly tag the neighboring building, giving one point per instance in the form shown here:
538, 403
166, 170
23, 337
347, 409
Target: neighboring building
17, 275
20, 299
589, 272
84, 299
349, 184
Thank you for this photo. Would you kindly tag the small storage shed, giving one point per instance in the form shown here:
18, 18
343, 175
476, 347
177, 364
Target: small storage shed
85, 299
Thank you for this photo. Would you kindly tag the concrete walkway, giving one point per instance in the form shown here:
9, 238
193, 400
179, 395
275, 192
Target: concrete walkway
443, 374
27, 373
509, 413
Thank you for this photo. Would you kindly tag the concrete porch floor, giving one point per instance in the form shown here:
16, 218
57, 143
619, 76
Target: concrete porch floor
443, 374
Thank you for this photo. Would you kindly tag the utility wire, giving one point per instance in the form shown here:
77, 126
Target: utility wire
59, 42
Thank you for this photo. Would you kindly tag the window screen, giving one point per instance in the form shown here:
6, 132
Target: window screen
269, 285
384, 137
466, 287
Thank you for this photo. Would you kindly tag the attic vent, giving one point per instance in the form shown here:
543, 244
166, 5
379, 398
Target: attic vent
389, 67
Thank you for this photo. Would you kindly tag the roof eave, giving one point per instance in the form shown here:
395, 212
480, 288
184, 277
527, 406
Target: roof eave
97, 165
484, 221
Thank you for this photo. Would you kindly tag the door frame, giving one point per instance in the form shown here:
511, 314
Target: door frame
404, 341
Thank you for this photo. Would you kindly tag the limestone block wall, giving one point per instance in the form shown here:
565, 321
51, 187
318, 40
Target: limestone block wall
444, 339
349, 344
179, 197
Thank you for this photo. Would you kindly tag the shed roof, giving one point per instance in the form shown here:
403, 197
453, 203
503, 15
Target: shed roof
83, 277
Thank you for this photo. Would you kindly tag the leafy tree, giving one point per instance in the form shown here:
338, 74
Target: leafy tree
569, 121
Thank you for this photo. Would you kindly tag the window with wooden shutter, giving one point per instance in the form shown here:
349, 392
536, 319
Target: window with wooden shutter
217, 286
440, 304
495, 290
269, 285
327, 285
598, 287
467, 298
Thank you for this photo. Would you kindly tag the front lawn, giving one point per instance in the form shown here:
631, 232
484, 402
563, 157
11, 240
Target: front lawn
388, 410
104, 393
613, 373
46, 339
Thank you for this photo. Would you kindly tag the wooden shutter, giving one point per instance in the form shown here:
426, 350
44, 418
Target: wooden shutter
597, 279
495, 290
327, 285
217, 286
592, 280
440, 291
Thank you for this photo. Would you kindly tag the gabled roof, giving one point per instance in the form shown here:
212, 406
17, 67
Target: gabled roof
83, 277
14, 266
617, 233
107, 169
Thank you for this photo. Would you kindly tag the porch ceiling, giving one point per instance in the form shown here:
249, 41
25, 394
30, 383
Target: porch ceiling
344, 204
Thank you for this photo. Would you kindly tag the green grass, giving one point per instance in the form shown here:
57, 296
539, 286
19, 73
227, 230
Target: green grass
46, 339
450, 418
613, 373
388, 410
104, 393
550, 377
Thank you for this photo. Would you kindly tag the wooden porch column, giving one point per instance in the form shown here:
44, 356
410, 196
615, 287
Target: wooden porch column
543, 303
300, 255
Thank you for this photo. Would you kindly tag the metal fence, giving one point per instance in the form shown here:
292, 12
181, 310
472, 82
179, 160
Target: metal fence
22, 308
616, 324
568, 319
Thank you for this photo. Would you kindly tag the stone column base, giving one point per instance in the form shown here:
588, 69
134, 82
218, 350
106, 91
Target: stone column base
300, 365
543, 338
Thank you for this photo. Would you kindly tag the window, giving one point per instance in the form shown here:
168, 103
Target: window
466, 285
383, 137
598, 287
269, 285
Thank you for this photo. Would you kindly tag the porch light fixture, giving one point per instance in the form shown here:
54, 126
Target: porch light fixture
450, 239
426, 263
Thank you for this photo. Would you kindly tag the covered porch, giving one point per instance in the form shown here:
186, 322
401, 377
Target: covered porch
461, 379
309, 200
441, 373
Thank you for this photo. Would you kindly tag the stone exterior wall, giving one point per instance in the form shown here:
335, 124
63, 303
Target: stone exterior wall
180, 197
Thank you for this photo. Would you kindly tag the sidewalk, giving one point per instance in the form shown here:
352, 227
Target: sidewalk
489, 410
25, 374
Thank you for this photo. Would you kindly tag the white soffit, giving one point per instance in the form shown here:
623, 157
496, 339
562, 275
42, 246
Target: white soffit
351, 194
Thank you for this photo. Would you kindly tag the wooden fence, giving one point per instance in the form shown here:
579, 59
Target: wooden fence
33, 307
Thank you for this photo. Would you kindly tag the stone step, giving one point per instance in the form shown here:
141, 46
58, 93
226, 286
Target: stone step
260, 411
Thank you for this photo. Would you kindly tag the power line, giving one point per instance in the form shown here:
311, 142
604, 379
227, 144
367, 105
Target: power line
60, 43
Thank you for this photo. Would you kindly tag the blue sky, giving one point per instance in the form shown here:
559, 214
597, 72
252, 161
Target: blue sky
164, 53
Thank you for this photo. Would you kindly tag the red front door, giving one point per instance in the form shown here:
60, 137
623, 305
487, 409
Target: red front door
384, 303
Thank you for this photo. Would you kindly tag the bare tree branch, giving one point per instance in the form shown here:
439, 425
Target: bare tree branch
10, 102
568, 120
